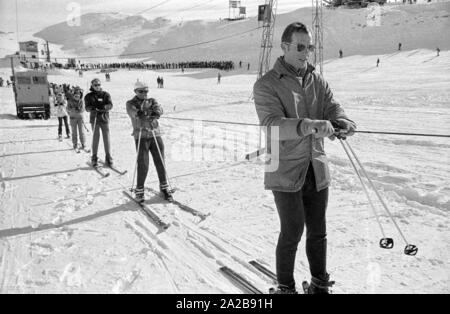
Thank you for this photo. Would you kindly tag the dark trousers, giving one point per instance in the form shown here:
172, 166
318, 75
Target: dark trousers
77, 127
96, 138
149, 145
305, 207
60, 122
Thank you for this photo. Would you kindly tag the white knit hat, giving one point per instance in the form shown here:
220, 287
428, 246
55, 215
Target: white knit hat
140, 85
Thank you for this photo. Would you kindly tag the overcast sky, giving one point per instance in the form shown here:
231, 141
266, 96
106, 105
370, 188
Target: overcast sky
33, 15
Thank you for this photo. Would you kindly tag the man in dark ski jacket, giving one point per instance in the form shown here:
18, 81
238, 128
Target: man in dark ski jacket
98, 103
144, 113
297, 106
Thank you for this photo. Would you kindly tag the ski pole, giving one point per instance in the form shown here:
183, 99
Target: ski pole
163, 162
85, 127
410, 249
385, 243
138, 147
137, 158
93, 135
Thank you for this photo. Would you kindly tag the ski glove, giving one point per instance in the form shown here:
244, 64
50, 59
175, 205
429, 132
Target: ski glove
155, 115
320, 128
141, 113
345, 128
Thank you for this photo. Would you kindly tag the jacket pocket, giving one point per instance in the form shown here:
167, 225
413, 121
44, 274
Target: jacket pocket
293, 149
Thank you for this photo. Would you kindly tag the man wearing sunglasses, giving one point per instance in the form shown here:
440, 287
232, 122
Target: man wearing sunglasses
144, 113
297, 106
98, 103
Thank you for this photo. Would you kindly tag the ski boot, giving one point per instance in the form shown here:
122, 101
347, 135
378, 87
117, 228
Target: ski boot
320, 285
60, 137
282, 289
139, 195
167, 194
83, 147
75, 146
109, 161
94, 161
68, 135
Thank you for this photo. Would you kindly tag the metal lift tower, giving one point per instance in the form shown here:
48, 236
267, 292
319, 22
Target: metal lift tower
317, 24
267, 37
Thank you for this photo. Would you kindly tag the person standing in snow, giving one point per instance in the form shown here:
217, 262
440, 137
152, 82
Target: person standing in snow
144, 113
61, 113
378, 62
98, 103
296, 101
76, 112
219, 76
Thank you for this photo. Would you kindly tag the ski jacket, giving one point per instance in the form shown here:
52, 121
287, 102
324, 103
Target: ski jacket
98, 104
61, 108
147, 123
75, 107
283, 99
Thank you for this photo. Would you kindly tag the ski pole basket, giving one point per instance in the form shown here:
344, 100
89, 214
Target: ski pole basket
386, 243
411, 250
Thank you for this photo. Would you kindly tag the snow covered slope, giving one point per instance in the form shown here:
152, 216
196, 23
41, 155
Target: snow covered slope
355, 31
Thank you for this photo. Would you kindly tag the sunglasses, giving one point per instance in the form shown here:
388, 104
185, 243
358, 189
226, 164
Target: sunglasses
96, 85
142, 91
301, 47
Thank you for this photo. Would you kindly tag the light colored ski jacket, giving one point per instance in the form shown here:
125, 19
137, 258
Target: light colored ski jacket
283, 99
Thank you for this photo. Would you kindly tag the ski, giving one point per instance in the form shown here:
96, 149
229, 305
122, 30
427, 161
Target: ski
264, 270
240, 281
100, 171
147, 211
113, 168
183, 207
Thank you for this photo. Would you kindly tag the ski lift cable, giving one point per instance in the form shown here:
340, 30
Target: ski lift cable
193, 7
254, 124
364, 132
164, 50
